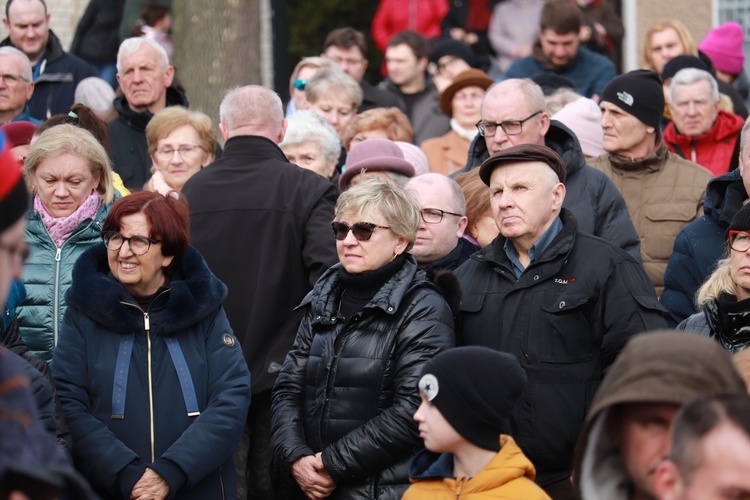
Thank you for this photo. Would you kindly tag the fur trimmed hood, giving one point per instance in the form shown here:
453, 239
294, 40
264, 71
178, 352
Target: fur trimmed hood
193, 293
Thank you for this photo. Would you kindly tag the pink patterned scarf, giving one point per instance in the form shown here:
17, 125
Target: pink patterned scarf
61, 228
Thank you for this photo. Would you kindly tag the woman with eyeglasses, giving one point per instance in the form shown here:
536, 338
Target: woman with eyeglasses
180, 143
69, 176
343, 402
152, 381
724, 299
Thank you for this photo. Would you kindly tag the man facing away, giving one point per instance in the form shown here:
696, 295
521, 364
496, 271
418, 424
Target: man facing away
259, 222
563, 301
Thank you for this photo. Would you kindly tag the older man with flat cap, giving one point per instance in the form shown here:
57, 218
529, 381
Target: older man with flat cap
563, 301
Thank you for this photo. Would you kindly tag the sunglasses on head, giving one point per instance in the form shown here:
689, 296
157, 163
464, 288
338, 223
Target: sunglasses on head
361, 230
300, 84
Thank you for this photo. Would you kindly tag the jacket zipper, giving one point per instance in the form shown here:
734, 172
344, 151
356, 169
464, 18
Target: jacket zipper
147, 327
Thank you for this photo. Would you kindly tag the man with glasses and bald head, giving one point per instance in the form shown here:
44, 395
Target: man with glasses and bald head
513, 113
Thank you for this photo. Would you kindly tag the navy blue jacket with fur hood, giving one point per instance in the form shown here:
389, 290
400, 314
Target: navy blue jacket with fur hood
188, 334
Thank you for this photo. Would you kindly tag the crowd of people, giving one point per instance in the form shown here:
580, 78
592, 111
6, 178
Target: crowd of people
535, 286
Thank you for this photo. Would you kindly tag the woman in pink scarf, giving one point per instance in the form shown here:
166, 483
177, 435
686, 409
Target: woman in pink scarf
69, 175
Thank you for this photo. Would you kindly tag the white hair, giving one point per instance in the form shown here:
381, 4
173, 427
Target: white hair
689, 76
131, 45
305, 126
14, 52
251, 105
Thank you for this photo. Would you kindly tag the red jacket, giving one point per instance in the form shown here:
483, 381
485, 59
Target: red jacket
394, 16
716, 150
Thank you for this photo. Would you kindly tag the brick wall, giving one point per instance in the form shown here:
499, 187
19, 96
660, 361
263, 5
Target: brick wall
65, 16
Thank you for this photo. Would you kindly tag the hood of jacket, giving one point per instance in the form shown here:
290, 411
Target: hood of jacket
724, 197
194, 293
726, 126
138, 120
510, 463
559, 138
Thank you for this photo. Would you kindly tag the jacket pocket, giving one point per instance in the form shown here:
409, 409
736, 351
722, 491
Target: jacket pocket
663, 223
565, 331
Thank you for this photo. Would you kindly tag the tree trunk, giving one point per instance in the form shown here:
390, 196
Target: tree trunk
217, 46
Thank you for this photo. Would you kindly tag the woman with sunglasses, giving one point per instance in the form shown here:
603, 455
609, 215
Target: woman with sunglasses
302, 74
724, 299
152, 381
342, 408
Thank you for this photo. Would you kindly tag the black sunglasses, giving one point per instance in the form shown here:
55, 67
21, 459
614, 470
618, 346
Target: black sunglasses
361, 230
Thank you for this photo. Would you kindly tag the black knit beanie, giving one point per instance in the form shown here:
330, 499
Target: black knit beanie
13, 195
638, 93
475, 389
740, 221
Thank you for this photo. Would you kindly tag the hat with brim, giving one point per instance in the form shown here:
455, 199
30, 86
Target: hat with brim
469, 78
374, 155
523, 153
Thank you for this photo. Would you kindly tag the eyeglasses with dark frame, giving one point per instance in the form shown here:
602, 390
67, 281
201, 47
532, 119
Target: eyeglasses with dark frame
139, 245
739, 241
20, 251
435, 215
510, 127
362, 231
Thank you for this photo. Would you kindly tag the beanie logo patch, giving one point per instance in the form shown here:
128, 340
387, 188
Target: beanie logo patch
428, 385
626, 98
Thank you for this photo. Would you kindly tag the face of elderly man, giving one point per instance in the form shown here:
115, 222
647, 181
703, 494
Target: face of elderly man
143, 80
28, 27
693, 109
624, 134
15, 89
506, 103
525, 197
435, 240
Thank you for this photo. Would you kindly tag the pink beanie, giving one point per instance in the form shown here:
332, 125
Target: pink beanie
415, 156
723, 45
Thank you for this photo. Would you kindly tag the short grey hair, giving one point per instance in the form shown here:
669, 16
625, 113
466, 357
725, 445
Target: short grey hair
131, 45
14, 52
688, 76
251, 105
458, 200
398, 207
560, 98
305, 126
532, 93
333, 81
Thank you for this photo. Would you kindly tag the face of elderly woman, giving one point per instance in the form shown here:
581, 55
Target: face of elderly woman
361, 256
178, 156
466, 105
337, 109
309, 156
140, 275
63, 183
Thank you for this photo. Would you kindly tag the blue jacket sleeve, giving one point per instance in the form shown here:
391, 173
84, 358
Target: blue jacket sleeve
212, 438
682, 279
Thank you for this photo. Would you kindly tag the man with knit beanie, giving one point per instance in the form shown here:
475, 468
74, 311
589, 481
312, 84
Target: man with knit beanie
700, 130
467, 396
724, 45
663, 192
627, 431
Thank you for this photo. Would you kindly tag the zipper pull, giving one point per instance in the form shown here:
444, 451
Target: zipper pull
146, 322
57, 254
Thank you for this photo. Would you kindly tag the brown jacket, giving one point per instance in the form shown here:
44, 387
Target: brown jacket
663, 193
446, 154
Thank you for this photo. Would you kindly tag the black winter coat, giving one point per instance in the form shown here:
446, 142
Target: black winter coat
264, 227
127, 135
55, 87
566, 319
700, 245
592, 197
349, 388
96, 37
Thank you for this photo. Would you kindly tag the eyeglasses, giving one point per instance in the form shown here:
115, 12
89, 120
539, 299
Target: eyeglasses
185, 151
435, 215
739, 240
139, 245
511, 127
11, 80
20, 251
361, 230
300, 84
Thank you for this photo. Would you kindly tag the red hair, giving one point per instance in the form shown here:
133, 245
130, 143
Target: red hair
168, 217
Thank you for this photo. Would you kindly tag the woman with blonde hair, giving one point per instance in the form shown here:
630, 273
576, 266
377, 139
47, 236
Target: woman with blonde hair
69, 175
378, 123
724, 299
180, 143
302, 74
666, 39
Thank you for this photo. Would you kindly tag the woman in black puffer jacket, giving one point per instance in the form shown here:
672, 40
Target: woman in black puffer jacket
343, 402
